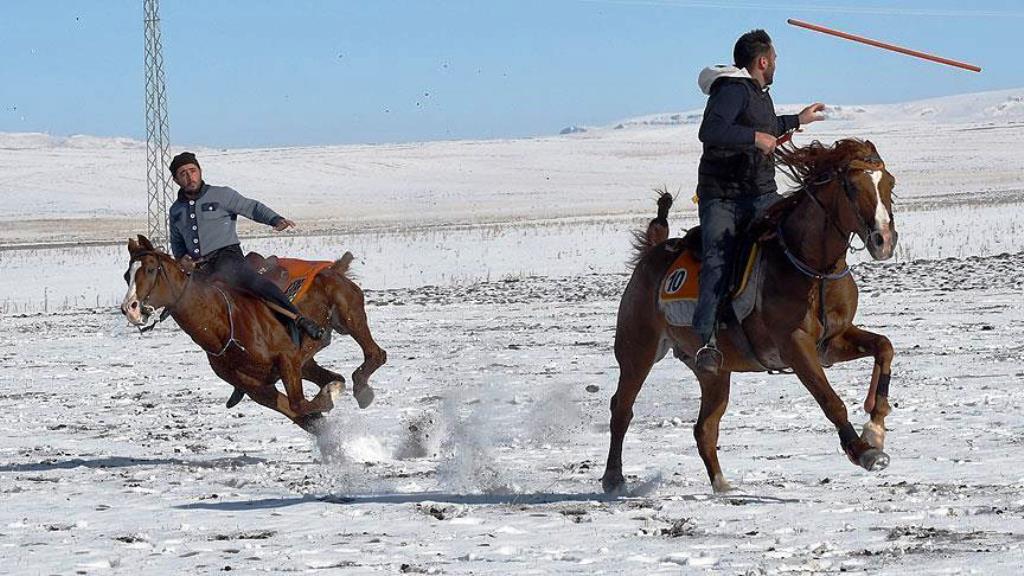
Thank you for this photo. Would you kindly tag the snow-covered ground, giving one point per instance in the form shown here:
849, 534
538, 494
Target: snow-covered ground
493, 271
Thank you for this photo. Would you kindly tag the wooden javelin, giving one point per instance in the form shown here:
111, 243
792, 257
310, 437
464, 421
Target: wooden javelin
884, 45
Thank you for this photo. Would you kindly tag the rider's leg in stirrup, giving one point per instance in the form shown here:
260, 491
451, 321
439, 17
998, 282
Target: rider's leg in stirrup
718, 239
271, 293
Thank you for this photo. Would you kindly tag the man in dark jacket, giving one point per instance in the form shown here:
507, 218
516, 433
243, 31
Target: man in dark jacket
202, 227
736, 178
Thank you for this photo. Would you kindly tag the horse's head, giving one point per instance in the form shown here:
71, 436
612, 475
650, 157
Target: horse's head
869, 186
861, 186
151, 277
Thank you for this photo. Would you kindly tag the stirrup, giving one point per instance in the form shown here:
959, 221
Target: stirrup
708, 358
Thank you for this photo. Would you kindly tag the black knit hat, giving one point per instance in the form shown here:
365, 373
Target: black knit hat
182, 159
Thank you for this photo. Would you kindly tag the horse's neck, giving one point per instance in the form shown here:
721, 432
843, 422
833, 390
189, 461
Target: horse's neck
202, 314
812, 237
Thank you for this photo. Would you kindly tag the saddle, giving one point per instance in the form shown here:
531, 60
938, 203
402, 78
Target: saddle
680, 286
293, 276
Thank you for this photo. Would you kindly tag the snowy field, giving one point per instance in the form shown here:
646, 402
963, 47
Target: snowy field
493, 271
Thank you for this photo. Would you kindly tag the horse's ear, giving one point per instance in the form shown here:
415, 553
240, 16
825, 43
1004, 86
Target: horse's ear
871, 144
133, 246
145, 243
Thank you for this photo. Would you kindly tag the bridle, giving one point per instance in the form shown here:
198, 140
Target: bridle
144, 301
870, 164
169, 308
138, 256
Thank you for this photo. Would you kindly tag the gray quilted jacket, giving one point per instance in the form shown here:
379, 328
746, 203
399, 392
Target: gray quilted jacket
208, 223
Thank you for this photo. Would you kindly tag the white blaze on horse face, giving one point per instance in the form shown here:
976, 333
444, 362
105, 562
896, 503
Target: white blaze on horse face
881, 214
130, 306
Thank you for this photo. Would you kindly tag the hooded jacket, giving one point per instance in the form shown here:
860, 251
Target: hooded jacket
731, 166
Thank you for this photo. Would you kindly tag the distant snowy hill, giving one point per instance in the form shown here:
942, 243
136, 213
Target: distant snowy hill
88, 188
979, 108
38, 141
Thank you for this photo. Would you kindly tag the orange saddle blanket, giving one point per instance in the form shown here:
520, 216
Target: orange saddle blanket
680, 287
293, 276
681, 279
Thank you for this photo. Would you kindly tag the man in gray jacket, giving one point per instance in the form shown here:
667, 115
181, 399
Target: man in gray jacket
202, 228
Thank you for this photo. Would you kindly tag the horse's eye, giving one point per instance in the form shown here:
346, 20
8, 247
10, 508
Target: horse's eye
150, 271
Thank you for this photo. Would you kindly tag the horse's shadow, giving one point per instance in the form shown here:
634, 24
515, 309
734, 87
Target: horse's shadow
127, 462
407, 498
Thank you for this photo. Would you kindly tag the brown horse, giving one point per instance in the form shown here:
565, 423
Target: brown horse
246, 344
803, 318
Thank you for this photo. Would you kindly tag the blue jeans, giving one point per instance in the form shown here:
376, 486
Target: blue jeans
723, 221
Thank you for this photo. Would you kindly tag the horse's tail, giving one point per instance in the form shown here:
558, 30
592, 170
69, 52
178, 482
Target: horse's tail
341, 264
657, 229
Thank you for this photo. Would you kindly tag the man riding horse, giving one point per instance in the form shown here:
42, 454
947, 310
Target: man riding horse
204, 239
736, 177
203, 235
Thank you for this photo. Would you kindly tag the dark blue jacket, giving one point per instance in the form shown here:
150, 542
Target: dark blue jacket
731, 166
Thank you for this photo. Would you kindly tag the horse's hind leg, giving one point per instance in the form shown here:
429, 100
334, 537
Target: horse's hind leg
291, 376
714, 398
636, 352
319, 375
350, 318
857, 343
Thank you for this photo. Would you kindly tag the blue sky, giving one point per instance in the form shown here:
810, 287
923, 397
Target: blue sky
273, 73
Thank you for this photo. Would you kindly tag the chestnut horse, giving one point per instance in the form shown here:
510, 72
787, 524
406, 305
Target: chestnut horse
246, 344
802, 319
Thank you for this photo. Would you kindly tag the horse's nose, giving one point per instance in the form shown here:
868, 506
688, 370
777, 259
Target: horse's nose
876, 239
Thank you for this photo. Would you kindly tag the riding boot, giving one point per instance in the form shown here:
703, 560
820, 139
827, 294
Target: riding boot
708, 358
309, 327
236, 397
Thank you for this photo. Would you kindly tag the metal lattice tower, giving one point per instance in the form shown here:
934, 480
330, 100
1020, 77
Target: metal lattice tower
158, 181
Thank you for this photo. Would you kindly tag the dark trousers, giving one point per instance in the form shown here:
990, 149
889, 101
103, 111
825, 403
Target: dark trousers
228, 264
723, 221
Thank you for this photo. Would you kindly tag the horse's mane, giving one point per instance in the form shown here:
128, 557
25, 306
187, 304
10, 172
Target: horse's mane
802, 166
811, 162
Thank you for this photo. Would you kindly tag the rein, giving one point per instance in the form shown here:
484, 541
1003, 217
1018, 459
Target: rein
231, 324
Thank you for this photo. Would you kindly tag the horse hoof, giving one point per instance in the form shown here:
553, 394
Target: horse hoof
334, 389
311, 422
613, 484
328, 394
364, 395
874, 460
720, 485
874, 435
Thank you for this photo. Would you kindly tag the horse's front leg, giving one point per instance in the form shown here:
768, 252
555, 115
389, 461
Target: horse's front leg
800, 352
856, 343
